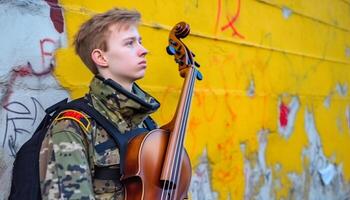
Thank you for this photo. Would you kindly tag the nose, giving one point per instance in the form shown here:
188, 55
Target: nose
142, 51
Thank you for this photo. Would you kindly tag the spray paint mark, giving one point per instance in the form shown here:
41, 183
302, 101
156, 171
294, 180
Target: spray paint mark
56, 15
231, 20
47, 47
16, 117
284, 111
200, 182
287, 115
286, 12
218, 14
22, 71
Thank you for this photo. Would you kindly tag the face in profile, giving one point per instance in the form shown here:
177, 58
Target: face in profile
125, 55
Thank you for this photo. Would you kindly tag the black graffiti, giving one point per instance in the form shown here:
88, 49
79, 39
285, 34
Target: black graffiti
17, 114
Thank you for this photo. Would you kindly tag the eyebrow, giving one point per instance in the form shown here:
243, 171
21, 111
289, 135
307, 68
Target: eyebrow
132, 38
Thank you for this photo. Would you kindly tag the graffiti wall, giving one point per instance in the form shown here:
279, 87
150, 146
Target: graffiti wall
30, 32
270, 119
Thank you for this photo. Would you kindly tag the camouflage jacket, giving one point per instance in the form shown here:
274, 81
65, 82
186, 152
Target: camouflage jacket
68, 156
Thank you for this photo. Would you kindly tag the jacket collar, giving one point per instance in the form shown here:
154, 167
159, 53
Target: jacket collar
132, 106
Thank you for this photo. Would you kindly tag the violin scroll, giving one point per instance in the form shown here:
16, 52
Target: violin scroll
182, 29
183, 56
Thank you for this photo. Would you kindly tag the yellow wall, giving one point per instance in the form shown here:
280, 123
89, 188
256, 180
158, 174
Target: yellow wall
283, 49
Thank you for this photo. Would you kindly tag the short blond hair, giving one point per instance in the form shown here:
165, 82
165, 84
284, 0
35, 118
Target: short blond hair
94, 32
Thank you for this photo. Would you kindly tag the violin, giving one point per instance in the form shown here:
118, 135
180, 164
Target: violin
156, 164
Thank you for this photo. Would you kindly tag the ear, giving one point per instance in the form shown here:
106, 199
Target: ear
98, 57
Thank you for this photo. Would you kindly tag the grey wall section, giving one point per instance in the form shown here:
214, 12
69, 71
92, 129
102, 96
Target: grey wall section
31, 31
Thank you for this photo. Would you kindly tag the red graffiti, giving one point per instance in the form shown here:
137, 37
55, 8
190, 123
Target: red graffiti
231, 21
21, 71
284, 111
218, 16
56, 15
43, 52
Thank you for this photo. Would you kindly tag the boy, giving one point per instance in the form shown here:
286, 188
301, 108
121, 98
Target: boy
73, 153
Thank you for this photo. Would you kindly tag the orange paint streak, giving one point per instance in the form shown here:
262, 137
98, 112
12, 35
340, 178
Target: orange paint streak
218, 16
200, 98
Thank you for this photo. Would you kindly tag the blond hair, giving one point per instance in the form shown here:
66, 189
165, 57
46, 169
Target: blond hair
94, 32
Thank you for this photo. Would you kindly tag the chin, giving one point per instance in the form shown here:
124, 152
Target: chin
139, 77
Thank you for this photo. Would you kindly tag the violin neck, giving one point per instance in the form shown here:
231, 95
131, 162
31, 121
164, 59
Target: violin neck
184, 104
173, 156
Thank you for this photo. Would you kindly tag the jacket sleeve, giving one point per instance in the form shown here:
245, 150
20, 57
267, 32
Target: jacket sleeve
64, 163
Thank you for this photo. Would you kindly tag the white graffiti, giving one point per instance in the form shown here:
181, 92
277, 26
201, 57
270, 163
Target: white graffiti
258, 177
28, 41
200, 187
322, 178
341, 89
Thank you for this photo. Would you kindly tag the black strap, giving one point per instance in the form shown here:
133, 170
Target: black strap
56, 106
107, 173
102, 147
150, 123
111, 144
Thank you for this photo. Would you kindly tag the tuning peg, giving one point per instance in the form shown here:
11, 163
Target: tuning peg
196, 64
170, 50
172, 42
199, 76
179, 61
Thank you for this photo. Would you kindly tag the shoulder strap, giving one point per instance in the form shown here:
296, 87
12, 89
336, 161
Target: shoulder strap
121, 139
150, 123
56, 106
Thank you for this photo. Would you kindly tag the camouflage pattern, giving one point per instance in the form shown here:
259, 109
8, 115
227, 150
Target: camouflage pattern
68, 156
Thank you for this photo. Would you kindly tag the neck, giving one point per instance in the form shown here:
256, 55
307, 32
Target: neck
127, 85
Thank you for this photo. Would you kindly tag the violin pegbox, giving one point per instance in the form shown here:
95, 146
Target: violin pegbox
183, 56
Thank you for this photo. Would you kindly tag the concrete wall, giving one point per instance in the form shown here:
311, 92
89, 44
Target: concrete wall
270, 120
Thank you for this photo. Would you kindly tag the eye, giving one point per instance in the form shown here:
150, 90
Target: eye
129, 43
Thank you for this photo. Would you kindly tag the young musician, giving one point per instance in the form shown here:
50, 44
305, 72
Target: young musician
76, 148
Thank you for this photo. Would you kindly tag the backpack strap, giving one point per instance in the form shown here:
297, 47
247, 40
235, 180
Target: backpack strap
150, 124
106, 173
120, 139
110, 144
56, 106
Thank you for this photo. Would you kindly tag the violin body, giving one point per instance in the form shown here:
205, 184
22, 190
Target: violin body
143, 168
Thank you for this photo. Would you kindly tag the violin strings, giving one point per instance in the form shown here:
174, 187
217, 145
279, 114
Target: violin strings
178, 154
181, 131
